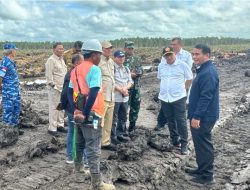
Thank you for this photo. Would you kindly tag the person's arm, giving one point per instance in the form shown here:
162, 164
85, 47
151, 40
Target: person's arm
119, 89
70, 98
190, 61
90, 100
188, 84
3, 69
208, 86
130, 80
1, 80
49, 67
188, 76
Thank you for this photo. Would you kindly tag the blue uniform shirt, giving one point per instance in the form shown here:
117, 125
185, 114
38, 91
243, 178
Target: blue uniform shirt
8, 72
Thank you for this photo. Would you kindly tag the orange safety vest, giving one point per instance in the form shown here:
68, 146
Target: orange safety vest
81, 71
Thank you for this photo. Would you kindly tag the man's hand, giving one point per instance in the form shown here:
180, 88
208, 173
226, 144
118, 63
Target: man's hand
133, 74
59, 107
125, 91
78, 116
195, 123
51, 85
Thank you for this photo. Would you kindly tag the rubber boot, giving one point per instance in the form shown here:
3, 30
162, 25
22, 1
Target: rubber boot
98, 184
79, 168
131, 127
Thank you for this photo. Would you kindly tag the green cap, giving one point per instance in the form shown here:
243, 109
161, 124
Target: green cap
167, 50
129, 44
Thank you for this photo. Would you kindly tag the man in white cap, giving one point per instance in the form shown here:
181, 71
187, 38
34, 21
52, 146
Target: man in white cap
86, 81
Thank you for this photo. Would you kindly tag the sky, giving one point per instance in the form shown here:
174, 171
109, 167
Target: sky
47, 20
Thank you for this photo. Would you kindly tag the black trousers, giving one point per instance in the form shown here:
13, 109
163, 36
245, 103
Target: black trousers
175, 113
204, 150
119, 119
161, 119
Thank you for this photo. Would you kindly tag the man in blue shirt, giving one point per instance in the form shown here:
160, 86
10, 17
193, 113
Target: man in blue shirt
203, 111
9, 84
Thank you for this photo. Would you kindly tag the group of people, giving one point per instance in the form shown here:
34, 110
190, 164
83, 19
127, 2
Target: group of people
96, 93
96, 90
177, 82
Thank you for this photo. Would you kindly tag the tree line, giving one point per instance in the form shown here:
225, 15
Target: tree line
141, 42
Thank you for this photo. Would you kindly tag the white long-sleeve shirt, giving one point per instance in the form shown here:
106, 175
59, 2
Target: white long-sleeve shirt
55, 71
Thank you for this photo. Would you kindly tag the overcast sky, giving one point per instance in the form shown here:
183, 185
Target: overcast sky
40, 20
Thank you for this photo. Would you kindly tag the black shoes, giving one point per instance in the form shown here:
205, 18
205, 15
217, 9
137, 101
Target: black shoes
62, 129
53, 133
115, 141
204, 180
193, 172
159, 128
110, 147
184, 150
123, 138
177, 145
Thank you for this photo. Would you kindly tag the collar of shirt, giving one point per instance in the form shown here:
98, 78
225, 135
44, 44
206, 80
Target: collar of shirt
199, 67
105, 58
56, 57
7, 59
118, 66
181, 51
176, 62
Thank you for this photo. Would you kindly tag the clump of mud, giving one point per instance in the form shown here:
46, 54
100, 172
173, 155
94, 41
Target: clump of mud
8, 135
41, 147
135, 163
30, 118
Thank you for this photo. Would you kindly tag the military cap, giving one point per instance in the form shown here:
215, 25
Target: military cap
129, 44
9, 46
167, 50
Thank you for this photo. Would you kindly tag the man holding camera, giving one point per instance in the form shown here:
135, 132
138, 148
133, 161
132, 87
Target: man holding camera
134, 64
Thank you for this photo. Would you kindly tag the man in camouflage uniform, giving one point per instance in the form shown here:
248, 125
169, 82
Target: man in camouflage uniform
9, 84
134, 64
69, 53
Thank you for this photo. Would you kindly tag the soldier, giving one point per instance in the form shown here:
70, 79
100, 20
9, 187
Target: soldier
134, 64
69, 53
9, 84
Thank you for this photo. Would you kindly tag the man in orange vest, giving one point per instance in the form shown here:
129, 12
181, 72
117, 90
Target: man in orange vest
86, 81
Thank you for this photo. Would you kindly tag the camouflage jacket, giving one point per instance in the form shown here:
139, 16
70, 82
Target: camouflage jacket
68, 58
134, 64
10, 83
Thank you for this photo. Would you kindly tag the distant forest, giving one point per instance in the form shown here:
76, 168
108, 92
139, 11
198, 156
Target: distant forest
141, 42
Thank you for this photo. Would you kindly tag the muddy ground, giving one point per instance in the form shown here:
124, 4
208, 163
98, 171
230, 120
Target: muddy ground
37, 160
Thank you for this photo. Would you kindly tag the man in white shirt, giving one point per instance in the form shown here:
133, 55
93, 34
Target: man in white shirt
183, 55
55, 70
107, 67
176, 77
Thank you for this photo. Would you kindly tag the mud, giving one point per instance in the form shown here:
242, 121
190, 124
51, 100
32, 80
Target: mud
37, 160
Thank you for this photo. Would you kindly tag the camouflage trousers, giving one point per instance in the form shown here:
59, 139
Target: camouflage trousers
134, 103
11, 109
